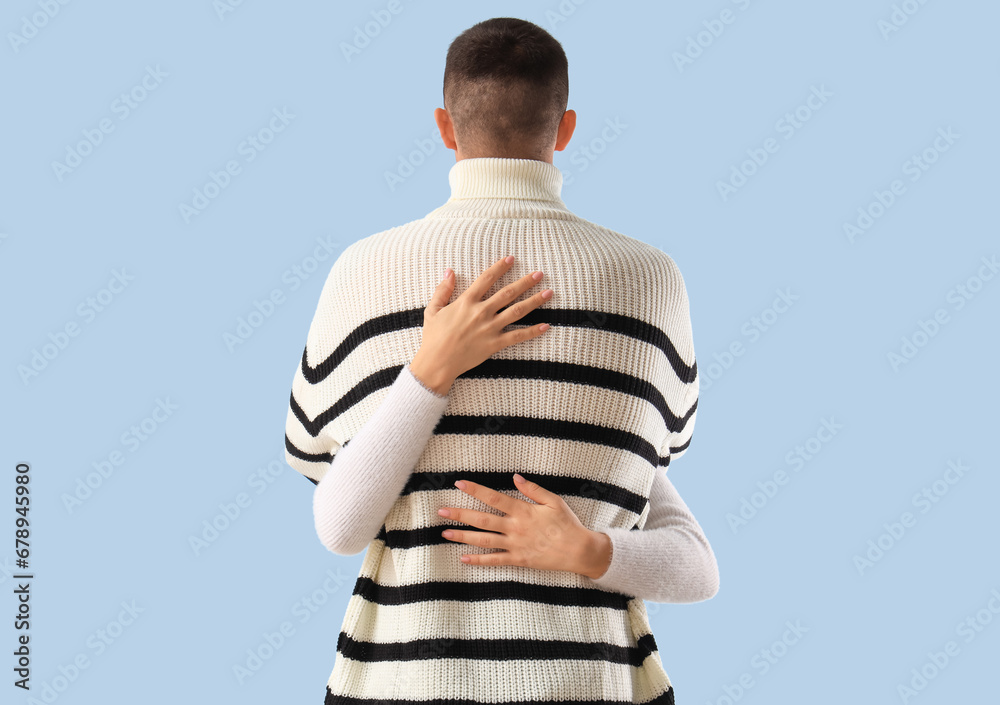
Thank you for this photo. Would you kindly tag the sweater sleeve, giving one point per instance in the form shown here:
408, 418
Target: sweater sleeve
340, 368
324, 381
368, 474
669, 559
677, 380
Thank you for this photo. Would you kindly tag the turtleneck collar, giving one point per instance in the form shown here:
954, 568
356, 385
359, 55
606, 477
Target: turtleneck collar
502, 177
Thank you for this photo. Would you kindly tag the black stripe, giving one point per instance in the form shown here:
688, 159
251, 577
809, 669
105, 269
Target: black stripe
302, 455
548, 428
576, 317
495, 650
665, 460
526, 426
580, 374
372, 383
435, 590
379, 325
682, 446
565, 486
426, 536
666, 698
430, 535
507, 369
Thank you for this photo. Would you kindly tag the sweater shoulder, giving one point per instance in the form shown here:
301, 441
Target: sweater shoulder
645, 264
662, 268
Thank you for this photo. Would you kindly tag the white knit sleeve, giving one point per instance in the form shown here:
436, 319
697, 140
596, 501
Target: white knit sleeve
669, 560
320, 382
679, 441
679, 380
338, 370
366, 477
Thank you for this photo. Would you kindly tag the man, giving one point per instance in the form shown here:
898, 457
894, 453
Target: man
500, 457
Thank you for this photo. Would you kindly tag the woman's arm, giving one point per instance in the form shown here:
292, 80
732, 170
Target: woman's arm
669, 559
367, 475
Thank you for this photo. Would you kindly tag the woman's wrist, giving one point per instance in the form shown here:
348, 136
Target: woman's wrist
432, 378
596, 556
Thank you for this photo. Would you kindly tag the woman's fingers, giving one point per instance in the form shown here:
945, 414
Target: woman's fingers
521, 334
484, 281
516, 312
483, 539
498, 500
510, 292
442, 293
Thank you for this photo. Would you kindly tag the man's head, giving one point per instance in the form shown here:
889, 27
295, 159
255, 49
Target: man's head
506, 87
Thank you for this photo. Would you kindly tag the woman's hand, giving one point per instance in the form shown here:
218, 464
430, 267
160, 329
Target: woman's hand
546, 535
458, 336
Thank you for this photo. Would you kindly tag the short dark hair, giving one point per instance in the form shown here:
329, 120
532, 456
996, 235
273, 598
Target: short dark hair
506, 87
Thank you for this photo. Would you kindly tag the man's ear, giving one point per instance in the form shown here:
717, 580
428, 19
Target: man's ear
446, 127
566, 128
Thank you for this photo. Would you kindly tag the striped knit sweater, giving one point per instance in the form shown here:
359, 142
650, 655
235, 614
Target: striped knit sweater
669, 560
592, 410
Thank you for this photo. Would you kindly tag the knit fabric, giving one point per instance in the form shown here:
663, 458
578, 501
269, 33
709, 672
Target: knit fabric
669, 560
592, 410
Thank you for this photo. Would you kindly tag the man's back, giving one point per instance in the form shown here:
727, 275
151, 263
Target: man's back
590, 410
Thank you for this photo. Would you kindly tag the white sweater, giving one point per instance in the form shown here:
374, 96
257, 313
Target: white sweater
592, 409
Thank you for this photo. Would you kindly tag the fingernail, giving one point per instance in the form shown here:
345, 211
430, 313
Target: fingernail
443, 512
460, 484
547, 294
445, 275
517, 476
509, 259
465, 559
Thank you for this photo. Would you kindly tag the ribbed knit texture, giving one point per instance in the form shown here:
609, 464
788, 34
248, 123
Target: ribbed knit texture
592, 409
669, 560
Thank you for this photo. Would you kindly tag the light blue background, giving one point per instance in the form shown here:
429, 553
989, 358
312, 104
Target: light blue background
324, 177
